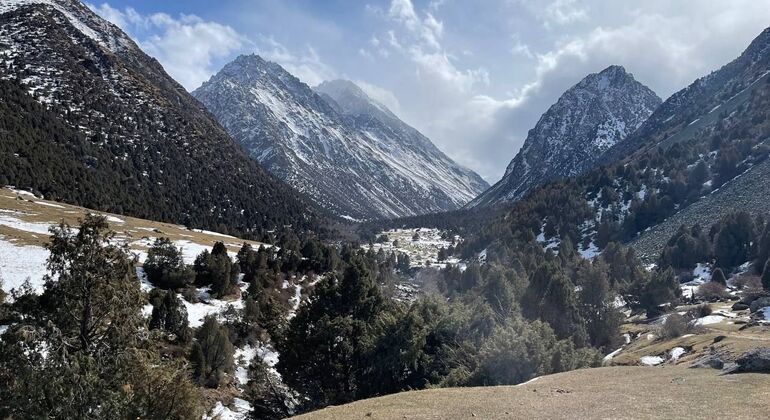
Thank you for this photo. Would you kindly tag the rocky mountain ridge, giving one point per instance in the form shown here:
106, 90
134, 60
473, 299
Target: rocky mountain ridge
572, 136
336, 145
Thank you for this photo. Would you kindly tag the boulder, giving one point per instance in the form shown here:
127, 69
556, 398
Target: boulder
759, 304
757, 360
708, 362
740, 306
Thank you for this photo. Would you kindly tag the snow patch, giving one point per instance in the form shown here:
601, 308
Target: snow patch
651, 360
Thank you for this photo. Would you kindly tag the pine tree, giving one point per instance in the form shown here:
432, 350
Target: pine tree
217, 270
94, 286
766, 276
171, 315
165, 267
718, 276
212, 353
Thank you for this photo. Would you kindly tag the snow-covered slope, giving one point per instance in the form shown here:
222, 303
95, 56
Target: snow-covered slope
575, 132
90, 119
345, 151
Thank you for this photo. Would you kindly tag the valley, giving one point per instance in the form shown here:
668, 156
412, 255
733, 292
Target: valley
257, 234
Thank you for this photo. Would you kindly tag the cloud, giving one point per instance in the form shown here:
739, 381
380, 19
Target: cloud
562, 12
380, 95
186, 46
305, 64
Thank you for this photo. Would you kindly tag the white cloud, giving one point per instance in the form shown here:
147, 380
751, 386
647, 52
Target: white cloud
305, 64
186, 46
563, 12
380, 95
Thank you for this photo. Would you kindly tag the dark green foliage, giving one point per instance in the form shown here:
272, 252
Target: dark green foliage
766, 276
165, 267
661, 291
550, 297
95, 296
763, 249
170, 315
520, 351
685, 249
324, 350
732, 245
266, 394
217, 270
77, 350
211, 356
718, 276
597, 306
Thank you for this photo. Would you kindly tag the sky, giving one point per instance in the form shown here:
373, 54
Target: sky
474, 76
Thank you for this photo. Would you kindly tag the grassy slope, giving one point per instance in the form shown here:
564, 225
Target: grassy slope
30, 209
627, 392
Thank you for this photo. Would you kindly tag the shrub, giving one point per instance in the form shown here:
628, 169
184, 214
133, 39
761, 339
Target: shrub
674, 326
700, 311
712, 291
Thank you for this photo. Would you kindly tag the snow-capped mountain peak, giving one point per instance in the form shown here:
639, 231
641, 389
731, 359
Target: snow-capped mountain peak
347, 152
589, 119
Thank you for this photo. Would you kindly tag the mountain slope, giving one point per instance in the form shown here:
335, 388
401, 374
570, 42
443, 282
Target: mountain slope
712, 163
703, 103
92, 120
599, 393
572, 136
345, 151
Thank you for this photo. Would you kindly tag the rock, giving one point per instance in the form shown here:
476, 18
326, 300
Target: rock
748, 325
759, 304
708, 362
757, 360
740, 306
719, 338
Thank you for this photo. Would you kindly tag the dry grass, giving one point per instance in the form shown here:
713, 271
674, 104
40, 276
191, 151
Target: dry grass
601, 393
30, 209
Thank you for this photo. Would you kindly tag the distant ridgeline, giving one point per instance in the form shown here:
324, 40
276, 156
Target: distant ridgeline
702, 154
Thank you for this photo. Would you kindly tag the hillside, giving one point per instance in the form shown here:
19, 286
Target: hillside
92, 120
600, 393
345, 151
25, 219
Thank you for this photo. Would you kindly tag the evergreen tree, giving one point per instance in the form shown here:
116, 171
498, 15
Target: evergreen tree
264, 391
597, 305
79, 354
732, 245
217, 270
212, 353
718, 276
766, 276
165, 267
171, 315
550, 297
325, 350
662, 289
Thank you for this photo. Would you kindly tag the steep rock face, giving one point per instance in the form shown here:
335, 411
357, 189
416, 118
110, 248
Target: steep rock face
573, 135
122, 135
342, 149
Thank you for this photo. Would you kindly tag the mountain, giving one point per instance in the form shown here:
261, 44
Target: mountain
572, 136
92, 120
700, 158
702, 104
345, 151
